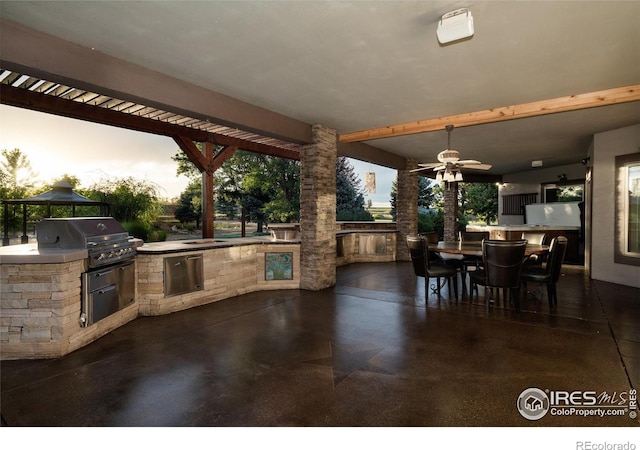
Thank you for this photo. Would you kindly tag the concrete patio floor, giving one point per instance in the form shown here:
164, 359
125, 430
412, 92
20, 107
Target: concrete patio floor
371, 351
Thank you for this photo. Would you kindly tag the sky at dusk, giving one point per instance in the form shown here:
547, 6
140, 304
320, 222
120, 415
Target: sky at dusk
57, 145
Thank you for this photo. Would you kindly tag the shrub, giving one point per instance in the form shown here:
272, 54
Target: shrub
137, 229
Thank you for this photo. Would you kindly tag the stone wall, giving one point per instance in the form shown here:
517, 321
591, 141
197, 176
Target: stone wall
318, 210
228, 272
406, 209
451, 212
40, 311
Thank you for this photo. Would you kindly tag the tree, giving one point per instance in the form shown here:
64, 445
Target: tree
189, 207
16, 182
265, 186
349, 193
16, 175
132, 200
185, 166
427, 197
481, 200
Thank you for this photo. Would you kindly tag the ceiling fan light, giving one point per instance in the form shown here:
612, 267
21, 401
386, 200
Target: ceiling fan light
448, 177
458, 176
439, 177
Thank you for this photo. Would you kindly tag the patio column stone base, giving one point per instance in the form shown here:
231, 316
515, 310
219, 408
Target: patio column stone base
406, 208
451, 212
318, 210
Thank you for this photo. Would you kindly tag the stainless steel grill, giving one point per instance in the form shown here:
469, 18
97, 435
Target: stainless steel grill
106, 240
108, 285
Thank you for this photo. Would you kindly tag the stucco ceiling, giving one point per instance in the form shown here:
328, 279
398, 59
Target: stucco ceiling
365, 64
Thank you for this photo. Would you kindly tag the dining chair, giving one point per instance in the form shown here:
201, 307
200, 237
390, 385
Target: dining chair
501, 265
537, 238
427, 268
550, 274
470, 262
432, 238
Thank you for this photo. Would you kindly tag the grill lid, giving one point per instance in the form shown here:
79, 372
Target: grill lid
77, 232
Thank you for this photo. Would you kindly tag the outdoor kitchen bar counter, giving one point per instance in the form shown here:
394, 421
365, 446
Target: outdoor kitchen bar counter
506, 232
40, 289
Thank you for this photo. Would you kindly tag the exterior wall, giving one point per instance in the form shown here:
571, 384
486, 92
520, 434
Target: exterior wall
529, 182
406, 209
40, 311
606, 147
318, 210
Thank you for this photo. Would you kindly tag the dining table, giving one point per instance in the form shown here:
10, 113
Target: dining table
474, 248
460, 249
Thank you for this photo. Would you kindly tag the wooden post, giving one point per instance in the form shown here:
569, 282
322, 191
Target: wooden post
244, 223
207, 196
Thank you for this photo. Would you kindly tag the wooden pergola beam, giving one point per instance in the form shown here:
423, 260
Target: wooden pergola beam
23, 98
221, 157
193, 152
595, 99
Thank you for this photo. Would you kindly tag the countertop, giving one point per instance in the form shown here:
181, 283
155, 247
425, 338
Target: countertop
206, 244
30, 254
520, 227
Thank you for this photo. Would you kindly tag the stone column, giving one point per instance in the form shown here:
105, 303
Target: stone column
451, 212
406, 208
318, 210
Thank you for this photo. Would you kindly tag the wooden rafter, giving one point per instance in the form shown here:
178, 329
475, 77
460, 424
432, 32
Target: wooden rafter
220, 158
36, 101
193, 152
561, 104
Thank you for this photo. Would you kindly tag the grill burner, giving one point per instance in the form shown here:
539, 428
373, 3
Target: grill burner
104, 238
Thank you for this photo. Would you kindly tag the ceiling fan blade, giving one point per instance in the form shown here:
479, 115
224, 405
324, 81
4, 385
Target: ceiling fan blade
478, 166
426, 165
419, 169
468, 161
437, 168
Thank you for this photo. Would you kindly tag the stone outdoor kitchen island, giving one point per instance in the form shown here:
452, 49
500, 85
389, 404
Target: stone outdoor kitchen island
40, 305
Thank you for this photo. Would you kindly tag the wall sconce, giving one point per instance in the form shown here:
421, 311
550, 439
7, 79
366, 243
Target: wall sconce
562, 178
586, 160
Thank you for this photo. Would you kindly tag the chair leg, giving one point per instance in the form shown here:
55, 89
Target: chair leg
455, 285
553, 295
463, 278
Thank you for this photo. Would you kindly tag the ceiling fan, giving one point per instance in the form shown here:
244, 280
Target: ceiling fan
449, 166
